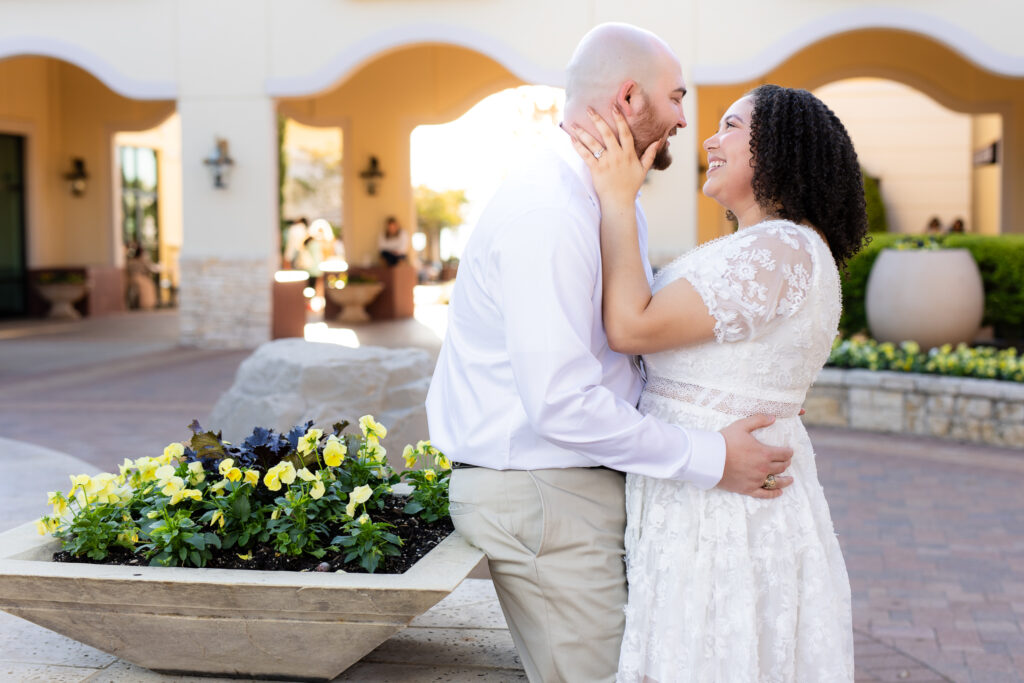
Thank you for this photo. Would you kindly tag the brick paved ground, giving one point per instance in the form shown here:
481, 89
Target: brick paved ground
933, 533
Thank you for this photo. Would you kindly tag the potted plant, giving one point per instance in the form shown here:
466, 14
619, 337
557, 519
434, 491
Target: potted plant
61, 289
919, 291
274, 502
353, 293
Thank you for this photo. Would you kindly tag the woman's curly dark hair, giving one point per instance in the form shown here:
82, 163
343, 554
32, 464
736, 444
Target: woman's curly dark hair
805, 167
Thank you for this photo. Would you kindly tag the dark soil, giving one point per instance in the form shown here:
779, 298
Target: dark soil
418, 538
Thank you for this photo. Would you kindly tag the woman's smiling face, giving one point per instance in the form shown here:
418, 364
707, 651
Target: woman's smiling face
730, 172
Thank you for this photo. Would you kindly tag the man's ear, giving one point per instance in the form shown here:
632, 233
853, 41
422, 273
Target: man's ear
628, 98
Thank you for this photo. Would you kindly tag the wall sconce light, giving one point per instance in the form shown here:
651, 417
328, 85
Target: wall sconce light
77, 176
220, 163
372, 175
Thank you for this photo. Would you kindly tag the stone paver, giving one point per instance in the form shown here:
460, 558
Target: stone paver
932, 532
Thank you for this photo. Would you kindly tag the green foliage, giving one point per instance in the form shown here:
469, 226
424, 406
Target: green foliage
369, 542
436, 210
983, 362
1000, 260
877, 221
175, 539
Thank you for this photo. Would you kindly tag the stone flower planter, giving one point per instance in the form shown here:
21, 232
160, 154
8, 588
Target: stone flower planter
62, 296
353, 299
933, 297
224, 622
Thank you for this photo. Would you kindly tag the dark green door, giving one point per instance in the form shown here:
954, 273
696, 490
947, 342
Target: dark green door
12, 225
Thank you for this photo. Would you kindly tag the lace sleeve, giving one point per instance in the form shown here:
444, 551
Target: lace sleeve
757, 278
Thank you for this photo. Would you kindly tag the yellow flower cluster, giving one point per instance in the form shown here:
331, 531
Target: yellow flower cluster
429, 453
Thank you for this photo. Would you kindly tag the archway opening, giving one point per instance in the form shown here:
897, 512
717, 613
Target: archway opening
65, 186
472, 155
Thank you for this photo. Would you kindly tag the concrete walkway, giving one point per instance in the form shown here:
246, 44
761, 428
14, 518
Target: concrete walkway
933, 533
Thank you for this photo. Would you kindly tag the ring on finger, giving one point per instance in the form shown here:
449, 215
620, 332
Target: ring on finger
598, 153
769, 482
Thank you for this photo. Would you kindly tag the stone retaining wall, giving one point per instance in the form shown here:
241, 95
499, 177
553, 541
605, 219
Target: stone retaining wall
978, 410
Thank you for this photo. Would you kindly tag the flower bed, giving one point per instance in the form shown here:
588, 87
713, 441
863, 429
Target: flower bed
982, 362
301, 500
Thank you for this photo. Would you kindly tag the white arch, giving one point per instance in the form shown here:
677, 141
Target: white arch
967, 44
354, 55
24, 46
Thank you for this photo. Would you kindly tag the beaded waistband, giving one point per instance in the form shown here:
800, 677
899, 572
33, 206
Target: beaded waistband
721, 401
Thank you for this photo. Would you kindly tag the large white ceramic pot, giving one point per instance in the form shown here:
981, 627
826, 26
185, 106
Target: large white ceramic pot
62, 296
353, 298
933, 297
223, 622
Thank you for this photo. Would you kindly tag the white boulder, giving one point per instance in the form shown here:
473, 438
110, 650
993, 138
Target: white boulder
289, 381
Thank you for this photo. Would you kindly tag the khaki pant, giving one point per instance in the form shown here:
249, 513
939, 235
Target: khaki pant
554, 542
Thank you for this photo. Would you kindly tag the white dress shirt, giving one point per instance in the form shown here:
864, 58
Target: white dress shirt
525, 379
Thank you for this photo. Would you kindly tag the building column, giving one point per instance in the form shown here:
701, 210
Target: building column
230, 233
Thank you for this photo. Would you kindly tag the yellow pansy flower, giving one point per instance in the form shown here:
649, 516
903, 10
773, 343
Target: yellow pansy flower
305, 475
218, 487
41, 526
271, 480
178, 496
442, 461
196, 472
247, 556
79, 482
371, 427
410, 456
359, 495
252, 477
335, 451
172, 486
281, 473
172, 451
164, 472
228, 470
374, 452
217, 518
422, 446
318, 490
363, 519
309, 441
147, 468
276, 513
429, 474
126, 466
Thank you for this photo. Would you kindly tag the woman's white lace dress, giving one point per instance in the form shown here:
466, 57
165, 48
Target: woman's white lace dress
725, 587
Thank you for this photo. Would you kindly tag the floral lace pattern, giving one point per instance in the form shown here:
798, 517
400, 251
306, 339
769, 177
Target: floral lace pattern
724, 587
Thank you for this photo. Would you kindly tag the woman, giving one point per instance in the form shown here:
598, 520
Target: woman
725, 587
393, 243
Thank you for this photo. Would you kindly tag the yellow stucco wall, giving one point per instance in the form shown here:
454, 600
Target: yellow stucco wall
65, 113
912, 59
377, 108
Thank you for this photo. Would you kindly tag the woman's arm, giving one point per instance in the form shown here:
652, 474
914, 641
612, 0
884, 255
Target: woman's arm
634, 320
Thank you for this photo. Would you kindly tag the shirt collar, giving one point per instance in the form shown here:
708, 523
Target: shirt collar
564, 148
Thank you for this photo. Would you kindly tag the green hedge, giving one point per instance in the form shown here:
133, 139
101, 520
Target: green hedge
1000, 260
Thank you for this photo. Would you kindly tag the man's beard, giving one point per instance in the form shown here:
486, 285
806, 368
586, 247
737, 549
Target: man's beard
645, 132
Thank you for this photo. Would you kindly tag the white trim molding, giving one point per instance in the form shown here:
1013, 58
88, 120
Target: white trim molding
24, 46
967, 44
356, 54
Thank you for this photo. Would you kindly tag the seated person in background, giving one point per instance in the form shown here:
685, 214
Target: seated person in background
394, 242
958, 226
294, 240
934, 226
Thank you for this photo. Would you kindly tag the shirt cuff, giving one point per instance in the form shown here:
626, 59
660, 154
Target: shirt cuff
707, 458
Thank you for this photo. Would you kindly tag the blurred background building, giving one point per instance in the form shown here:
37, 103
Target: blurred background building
187, 135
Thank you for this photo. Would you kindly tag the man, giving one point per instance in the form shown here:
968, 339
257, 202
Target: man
528, 397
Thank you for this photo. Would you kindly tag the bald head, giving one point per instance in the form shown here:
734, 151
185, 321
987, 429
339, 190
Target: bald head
609, 55
618, 66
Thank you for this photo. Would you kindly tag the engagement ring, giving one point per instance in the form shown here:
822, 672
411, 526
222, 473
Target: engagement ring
598, 153
769, 482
